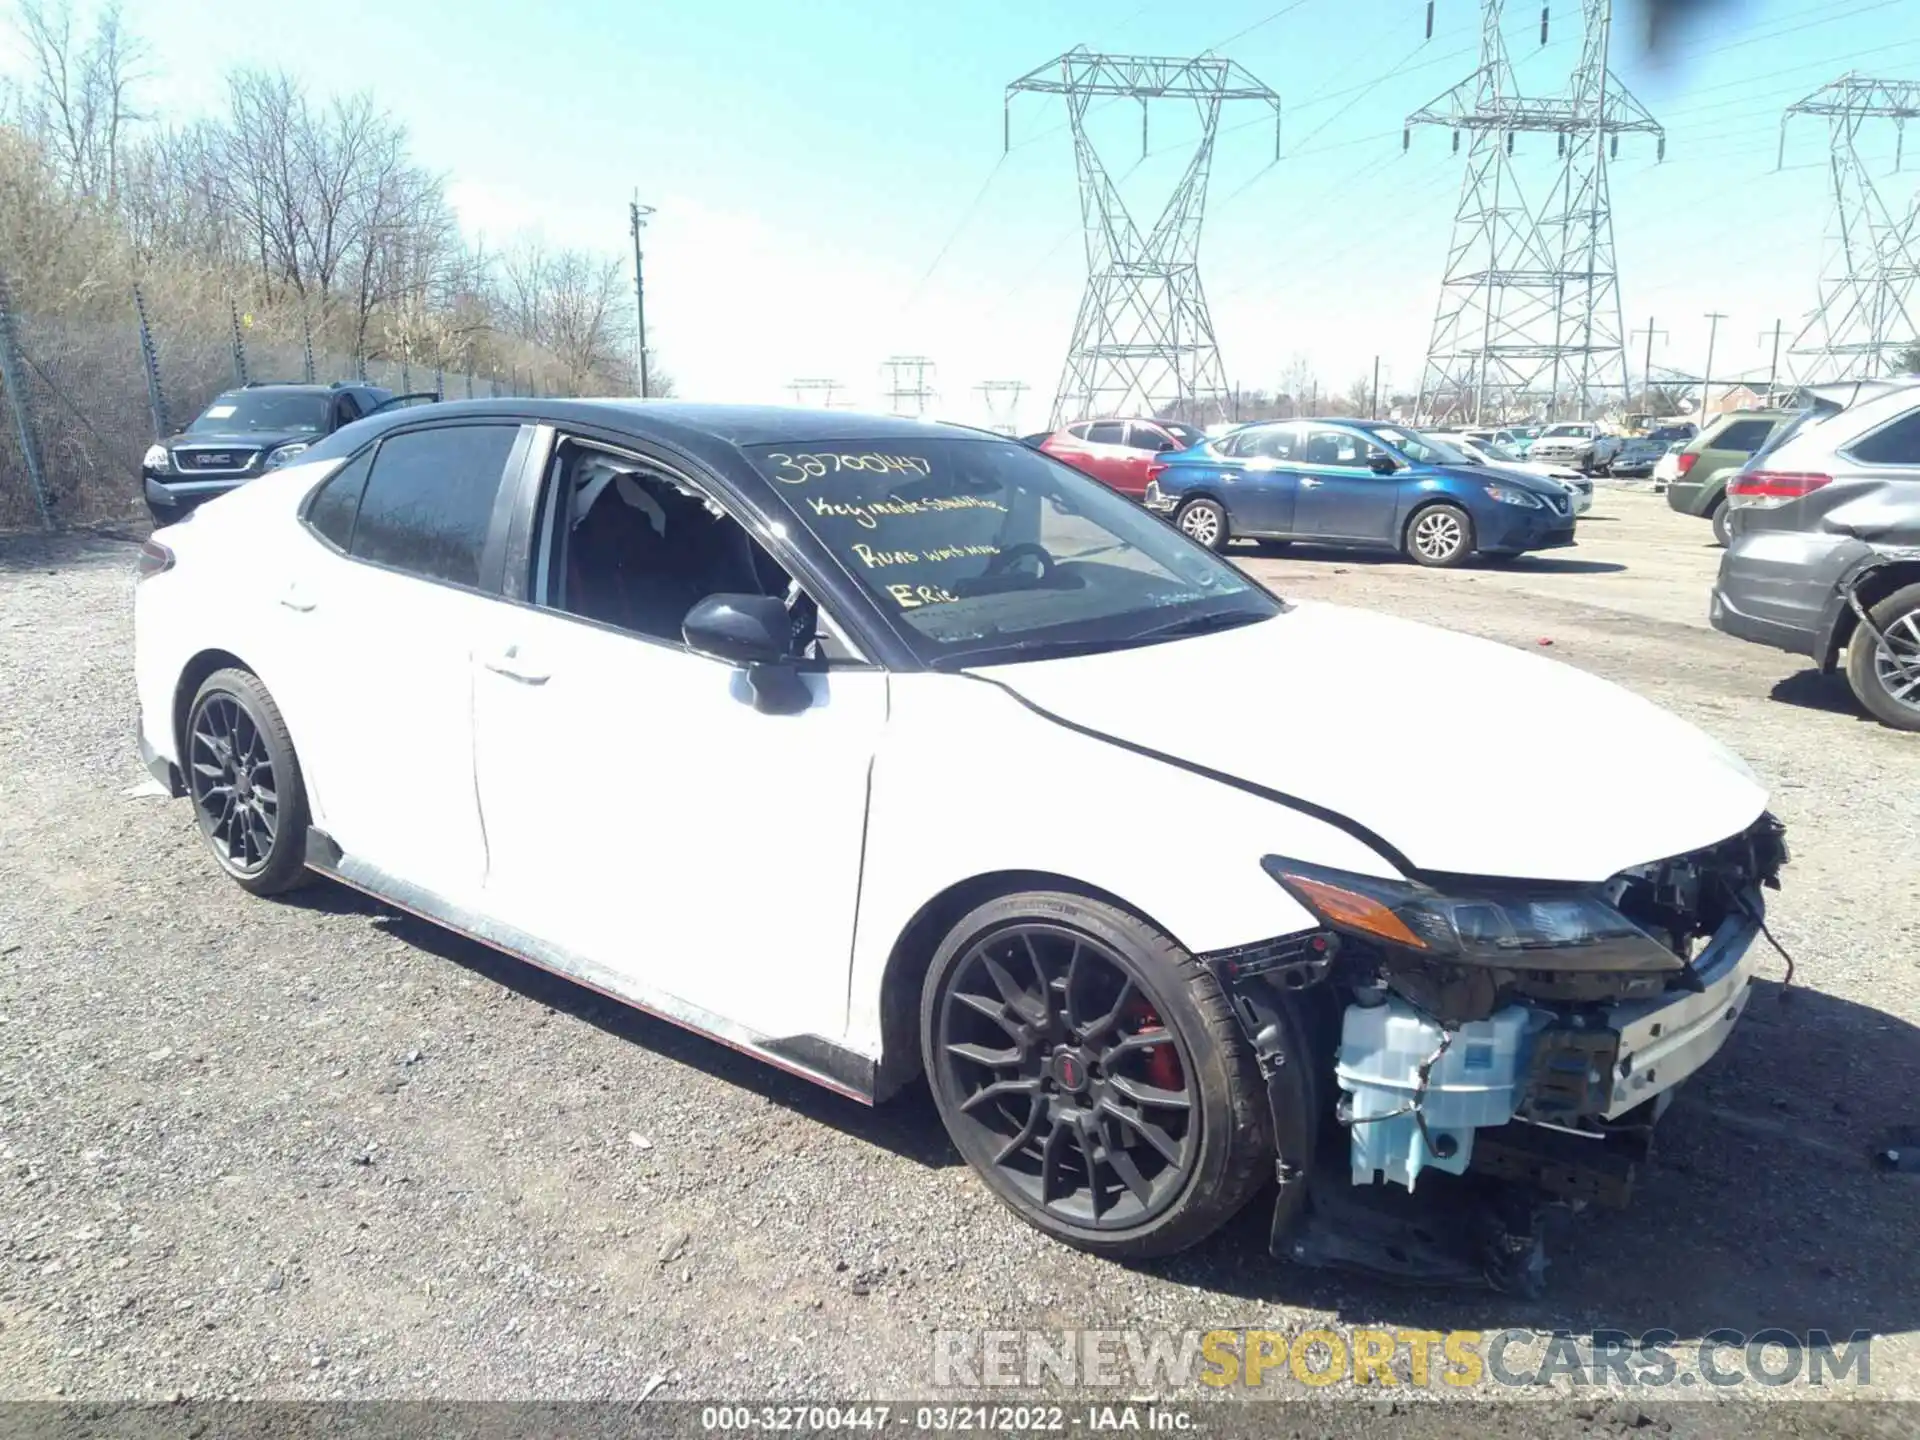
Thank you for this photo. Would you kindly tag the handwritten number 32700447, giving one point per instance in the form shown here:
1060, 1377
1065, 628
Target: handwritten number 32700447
799, 469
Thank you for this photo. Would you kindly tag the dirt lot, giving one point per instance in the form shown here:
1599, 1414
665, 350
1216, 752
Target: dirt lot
312, 1148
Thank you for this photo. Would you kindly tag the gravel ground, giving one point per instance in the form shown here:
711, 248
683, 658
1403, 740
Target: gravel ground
314, 1148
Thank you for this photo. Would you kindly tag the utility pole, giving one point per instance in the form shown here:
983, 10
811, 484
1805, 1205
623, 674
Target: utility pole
1649, 332
1144, 341
636, 218
1373, 410
1706, 376
1773, 370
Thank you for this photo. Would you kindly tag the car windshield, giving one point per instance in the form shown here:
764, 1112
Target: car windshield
1423, 448
985, 550
1187, 435
295, 412
1494, 450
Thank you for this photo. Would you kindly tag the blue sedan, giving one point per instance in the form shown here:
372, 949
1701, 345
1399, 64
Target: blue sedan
1357, 482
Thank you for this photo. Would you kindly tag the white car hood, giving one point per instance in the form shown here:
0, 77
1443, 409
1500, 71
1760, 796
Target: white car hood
1465, 755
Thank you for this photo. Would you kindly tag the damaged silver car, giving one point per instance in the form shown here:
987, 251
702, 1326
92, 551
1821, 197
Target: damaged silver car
1824, 552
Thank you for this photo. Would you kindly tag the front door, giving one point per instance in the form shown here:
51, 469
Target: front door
640, 812
1340, 497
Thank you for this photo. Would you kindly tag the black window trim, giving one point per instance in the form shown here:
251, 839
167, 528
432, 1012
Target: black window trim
492, 553
1849, 448
522, 535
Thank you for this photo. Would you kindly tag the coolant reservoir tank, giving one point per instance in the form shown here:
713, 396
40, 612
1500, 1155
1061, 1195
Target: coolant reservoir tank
1474, 1083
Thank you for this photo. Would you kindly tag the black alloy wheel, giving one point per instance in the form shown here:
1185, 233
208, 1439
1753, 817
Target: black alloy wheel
1064, 1071
245, 784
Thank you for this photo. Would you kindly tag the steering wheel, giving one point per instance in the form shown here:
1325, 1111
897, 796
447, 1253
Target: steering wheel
1004, 562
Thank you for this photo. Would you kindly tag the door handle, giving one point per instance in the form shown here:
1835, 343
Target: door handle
1308, 482
509, 663
295, 598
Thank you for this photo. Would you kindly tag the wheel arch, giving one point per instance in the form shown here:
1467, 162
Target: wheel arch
1427, 502
192, 676
913, 950
1870, 587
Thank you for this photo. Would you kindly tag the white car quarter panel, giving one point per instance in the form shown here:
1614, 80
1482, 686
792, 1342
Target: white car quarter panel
968, 781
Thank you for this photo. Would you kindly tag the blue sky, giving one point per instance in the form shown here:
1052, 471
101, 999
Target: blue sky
830, 186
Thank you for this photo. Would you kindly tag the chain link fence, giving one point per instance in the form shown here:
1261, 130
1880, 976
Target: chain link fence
80, 401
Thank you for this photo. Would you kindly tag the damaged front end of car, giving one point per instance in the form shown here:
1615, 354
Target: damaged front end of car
1515, 1040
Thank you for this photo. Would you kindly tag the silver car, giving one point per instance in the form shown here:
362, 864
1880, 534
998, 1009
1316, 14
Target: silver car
1824, 555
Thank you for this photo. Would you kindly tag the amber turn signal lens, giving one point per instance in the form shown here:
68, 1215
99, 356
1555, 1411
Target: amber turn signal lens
1355, 911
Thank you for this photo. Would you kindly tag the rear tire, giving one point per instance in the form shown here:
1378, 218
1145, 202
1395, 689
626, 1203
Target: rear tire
1204, 521
1093, 1075
1440, 536
1886, 678
1721, 535
245, 783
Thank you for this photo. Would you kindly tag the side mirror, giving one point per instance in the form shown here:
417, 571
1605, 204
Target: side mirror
1383, 465
753, 632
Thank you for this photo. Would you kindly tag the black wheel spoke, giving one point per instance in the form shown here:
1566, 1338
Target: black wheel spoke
1101, 1024
981, 1055
1129, 1174
1001, 1090
1051, 1154
994, 1010
1016, 998
1168, 1148
1086, 1144
1142, 1093
1025, 1136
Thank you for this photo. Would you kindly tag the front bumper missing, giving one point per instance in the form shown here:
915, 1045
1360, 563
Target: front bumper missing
1595, 1082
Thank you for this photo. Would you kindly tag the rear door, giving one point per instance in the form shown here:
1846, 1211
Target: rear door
1262, 497
1144, 445
383, 610
1340, 497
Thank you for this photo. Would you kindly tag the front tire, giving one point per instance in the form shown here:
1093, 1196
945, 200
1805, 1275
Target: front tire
1440, 536
245, 783
1886, 677
1091, 1072
1205, 521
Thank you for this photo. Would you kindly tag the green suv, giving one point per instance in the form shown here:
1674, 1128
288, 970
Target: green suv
1714, 454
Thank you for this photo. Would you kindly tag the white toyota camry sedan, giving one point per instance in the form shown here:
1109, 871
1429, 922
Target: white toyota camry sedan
878, 748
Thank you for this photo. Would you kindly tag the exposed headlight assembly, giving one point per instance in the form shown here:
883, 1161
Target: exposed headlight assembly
1508, 495
1547, 928
286, 454
156, 459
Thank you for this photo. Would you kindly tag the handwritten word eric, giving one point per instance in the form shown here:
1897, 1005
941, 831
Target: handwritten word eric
912, 597
799, 469
880, 559
869, 513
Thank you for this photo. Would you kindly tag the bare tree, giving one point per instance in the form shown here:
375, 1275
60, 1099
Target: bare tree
77, 99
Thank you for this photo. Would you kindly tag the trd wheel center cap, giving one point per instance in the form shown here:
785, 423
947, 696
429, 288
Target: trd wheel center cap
243, 785
1069, 1072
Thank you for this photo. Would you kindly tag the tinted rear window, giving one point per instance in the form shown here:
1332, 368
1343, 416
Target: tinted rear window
429, 501
1895, 444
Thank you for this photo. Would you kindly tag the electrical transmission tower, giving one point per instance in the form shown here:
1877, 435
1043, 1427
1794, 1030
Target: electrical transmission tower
816, 393
1530, 303
1002, 399
1866, 313
1143, 341
908, 392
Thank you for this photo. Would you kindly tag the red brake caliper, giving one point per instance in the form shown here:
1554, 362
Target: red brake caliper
1162, 1061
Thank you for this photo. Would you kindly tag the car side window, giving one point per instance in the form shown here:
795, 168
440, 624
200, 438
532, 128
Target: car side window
633, 546
1079, 432
1743, 436
1327, 446
429, 500
1107, 432
1894, 444
332, 510
1276, 442
347, 411
1149, 438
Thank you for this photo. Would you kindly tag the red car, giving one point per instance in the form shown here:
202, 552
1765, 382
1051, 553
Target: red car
1118, 452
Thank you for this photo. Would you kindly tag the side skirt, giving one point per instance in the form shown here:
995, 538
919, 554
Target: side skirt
812, 1057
